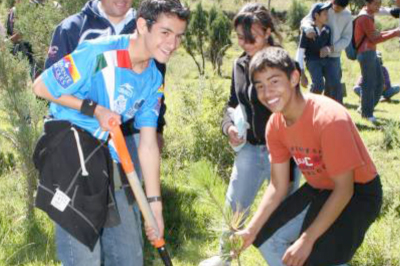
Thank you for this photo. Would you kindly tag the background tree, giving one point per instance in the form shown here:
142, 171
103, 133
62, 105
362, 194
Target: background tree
220, 28
23, 116
195, 37
296, 13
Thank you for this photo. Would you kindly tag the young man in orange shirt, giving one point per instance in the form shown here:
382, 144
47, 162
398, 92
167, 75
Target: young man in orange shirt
325, 221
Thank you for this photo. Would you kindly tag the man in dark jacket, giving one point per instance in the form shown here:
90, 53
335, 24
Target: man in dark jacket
100, 19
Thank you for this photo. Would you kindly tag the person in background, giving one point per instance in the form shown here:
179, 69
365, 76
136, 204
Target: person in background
366, 38
388, 90
312, 50
340, 21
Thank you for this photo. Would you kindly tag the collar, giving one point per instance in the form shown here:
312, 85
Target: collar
130, 15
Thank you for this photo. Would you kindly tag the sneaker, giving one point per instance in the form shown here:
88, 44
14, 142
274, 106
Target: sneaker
215, 261
372, 119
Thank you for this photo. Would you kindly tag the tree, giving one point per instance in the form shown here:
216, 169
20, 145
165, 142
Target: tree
296, 13
196, 35
219, 37
22, 115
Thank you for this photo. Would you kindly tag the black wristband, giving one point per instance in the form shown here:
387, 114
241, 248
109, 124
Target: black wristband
88, 107
153, 199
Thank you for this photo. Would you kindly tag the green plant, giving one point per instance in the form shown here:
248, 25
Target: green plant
196, 36
220, 28
23, 116
296, 13
391, 135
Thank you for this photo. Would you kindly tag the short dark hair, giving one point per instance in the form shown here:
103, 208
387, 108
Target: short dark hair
342, 3
151, 10
272, 57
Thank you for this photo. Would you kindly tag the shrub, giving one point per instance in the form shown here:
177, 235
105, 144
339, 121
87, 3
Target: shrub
219, 37
23, 116
296, 13
391, 137
195, 114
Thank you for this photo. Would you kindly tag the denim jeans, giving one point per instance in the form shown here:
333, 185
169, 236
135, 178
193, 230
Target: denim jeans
275, 247
372, 83
318, 72
333, 85
251, 168
387, 94
121, 245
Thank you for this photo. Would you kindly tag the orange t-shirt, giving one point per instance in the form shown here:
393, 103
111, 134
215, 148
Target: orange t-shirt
324, 142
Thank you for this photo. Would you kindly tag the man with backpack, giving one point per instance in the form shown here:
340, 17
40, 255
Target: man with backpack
366, 37
340, 22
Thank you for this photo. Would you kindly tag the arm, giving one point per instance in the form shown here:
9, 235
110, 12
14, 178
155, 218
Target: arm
228, 127
306, 24
387, 11
102, 114
299, 251
149, 157
231, 105
372, 34
273, 196
62, 43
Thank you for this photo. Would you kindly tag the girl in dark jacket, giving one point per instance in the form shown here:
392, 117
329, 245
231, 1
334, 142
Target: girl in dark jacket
254, 26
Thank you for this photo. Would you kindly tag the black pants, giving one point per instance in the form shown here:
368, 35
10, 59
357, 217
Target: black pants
339, 243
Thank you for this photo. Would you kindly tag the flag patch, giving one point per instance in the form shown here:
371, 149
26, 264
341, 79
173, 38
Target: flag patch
65, 72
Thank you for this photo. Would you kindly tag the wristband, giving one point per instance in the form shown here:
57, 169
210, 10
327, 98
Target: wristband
153, 199
88, 107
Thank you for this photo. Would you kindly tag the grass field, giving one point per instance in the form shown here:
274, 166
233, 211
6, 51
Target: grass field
193, 221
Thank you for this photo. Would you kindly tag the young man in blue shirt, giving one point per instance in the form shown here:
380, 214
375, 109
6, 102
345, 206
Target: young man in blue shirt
108, 78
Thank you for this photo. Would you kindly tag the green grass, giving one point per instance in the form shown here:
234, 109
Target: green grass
193, 224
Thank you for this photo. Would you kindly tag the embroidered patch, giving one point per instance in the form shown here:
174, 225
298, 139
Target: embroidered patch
161, 89
66, 72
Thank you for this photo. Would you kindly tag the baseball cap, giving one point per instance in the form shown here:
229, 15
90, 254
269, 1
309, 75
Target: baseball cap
318, 7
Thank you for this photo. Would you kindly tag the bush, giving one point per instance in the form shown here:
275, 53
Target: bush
296, 13
391, 136
195, 114
219, 37
22, 114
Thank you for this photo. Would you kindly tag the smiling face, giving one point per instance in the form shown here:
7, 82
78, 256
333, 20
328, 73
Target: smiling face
116, 9
164, 36
260, 36
275, 90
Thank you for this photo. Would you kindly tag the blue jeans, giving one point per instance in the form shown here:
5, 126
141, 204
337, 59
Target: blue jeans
318, 73
275, 247
387, 94
251, 168
372, 83
333, 79
121, 245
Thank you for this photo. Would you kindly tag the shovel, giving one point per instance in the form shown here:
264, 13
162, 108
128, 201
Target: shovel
135, 184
